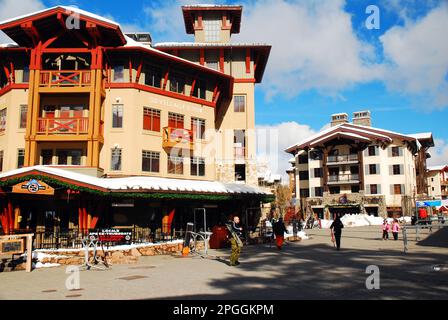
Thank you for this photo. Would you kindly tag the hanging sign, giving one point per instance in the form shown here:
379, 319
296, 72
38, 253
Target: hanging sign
33, 187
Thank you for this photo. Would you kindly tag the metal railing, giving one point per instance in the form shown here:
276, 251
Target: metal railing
72, 238
343, 177
342, 158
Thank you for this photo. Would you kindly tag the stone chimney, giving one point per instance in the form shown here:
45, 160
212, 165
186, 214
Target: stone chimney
339, 118
362, 118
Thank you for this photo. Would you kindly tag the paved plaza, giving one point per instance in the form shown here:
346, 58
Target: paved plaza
310, 269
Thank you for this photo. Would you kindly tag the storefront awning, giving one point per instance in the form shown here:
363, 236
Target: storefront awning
131, 186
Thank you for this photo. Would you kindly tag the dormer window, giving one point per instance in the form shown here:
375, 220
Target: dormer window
212, 29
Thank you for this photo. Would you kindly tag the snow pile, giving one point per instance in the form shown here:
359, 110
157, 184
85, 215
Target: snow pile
39, 265
326, 223
361, 220
301, 234
405, 219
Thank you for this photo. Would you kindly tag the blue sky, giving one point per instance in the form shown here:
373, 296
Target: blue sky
324, 60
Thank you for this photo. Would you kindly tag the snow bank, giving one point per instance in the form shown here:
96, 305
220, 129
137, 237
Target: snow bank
355, 220
39, 265
301, 234
405, 219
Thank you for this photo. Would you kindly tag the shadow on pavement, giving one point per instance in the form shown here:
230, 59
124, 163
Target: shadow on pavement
320, 272
436, 239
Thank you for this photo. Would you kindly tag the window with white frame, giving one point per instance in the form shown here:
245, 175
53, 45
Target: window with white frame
116, 159
212, 30
3, 120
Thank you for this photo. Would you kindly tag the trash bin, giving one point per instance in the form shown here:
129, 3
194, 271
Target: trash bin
218, 239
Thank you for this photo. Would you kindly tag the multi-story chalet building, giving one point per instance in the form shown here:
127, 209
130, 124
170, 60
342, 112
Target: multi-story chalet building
170, 124
438, 182
356, 168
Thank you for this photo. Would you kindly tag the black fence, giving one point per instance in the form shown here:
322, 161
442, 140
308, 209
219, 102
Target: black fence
57, 238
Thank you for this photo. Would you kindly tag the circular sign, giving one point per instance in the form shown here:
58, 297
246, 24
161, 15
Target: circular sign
33, 187
343, 199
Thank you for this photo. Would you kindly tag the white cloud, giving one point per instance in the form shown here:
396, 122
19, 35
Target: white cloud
417, 58
439, 155
272, 140
313, 46
13, 8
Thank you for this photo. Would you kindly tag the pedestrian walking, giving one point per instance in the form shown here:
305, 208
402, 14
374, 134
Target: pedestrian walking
395, 228
386, 229
337, 226
235, 240
279, 231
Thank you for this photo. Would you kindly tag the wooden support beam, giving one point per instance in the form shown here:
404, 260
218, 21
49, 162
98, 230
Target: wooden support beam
139, 69
201, 57
130, 69
165, 78
247, 60
221, 60
193, 85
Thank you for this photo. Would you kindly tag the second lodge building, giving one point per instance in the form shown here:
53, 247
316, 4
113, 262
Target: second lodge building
99, 128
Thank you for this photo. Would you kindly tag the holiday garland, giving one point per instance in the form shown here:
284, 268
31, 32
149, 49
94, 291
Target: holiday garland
140, 195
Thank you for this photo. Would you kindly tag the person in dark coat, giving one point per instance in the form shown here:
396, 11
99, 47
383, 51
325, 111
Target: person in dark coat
337, 226
279, 231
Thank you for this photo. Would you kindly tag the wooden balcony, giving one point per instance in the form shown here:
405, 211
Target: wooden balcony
61, 80
62, 126
177, 138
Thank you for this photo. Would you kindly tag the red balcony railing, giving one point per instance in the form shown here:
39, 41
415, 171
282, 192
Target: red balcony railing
177, 138
65, 78
52, 126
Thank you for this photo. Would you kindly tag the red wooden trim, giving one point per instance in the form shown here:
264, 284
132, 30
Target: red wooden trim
165, 78
215, 100
130, 69
200, 24
221, 60
57, 10
93, 32
224, 20
193, 84
13, 76
7, 73
201, 57
31, 31
247, 60
66, 50
256, 62
139, 70
250, 80
161, 92
215, 91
